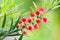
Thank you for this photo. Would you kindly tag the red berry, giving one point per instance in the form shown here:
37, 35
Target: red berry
31, 14
41, 9
24, 19
29, 20
24, 32
35, 26
38, 21
23, 26
17, 26
29, 28
20, 22
37, 13
44, 20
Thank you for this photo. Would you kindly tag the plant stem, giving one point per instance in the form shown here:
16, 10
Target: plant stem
13, 34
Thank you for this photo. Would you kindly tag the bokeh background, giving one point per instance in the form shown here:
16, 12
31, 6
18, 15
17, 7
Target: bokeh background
48, 31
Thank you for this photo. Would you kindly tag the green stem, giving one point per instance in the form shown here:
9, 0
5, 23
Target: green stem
13, 34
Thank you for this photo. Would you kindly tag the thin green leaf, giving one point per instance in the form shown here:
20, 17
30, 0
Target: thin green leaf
4, 21
56, 7
21, 37
14, 31
56, 3
13, 27
11, 4
32, 9
35, 5
11, 24
4, 6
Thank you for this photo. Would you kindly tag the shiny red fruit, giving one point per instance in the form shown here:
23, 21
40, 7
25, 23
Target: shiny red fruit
24, 32
44, 20
35, 26
17, 26
41, 9
24, 19
30, 28
23, 26
29, 20
20, 22
31, 14
37, 21
37, 13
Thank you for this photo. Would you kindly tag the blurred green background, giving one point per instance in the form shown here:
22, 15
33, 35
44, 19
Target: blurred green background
48, 31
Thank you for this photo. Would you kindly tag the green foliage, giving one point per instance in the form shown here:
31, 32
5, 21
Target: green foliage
4, 21
10, 8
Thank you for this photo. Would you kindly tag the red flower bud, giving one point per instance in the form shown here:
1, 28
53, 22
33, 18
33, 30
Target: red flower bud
29, 28
24, 32
37, 21
37, 13
24, 19
35, 26
44, 20
23, 26
31, 14
29, 20
17, 26
41, 9
20, 22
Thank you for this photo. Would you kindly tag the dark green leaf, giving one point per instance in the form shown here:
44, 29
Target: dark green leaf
13, 27
11, 24
4, 21
21, 37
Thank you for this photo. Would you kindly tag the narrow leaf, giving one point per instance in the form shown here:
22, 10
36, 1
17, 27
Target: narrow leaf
11, 24
56, 3
34, 4
13, 27
21, 37
56, 7
4, 21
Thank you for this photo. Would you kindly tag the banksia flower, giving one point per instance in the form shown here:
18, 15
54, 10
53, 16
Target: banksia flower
29, 28
31, 14
35, 26
37, 13
44, 20
24, 19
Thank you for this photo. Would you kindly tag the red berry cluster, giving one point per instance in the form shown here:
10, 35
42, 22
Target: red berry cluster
32, 22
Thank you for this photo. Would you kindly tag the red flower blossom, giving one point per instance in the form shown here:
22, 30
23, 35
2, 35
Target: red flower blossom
23, 26
17, 26
37, 13
24, 32
41, 9
24, 19
29, 28
35, 26
29, 20
37, 21
31, 14
44, 20
20, 22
